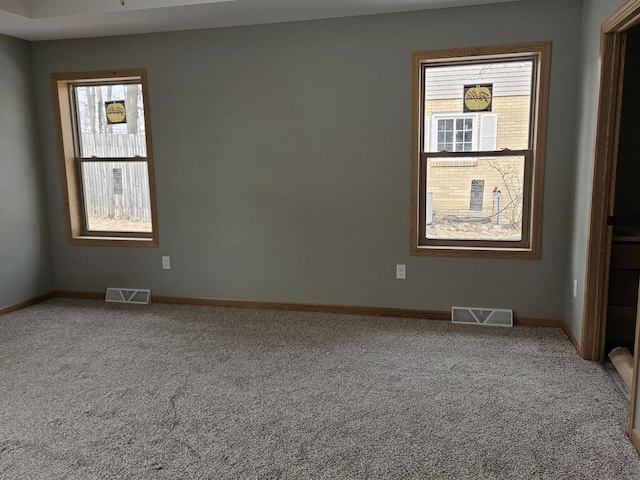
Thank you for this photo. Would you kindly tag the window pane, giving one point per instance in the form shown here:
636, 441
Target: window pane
117, 196
445, 135
110, 120
445, 125
483, 202
506, 86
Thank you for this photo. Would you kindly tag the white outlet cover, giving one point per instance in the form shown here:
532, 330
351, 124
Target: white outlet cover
166, 263
401, 272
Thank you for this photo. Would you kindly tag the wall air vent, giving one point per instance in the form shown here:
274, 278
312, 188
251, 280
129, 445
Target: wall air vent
128, 295
482, 316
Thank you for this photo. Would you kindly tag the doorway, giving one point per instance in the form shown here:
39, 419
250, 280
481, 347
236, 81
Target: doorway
613, 50
624, 268
614, 237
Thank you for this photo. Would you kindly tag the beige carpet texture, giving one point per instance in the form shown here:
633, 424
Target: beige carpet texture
90, 390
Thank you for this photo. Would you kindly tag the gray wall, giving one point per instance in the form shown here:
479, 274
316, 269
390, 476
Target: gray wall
283, 161
595, 12
25, 256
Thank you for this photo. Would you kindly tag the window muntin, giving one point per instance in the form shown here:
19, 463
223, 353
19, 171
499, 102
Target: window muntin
106, 153
469, 162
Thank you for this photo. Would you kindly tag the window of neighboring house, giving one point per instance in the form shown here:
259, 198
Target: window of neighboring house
106, 154
477, 169
453, 132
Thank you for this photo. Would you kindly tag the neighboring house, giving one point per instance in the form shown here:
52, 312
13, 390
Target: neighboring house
468, 189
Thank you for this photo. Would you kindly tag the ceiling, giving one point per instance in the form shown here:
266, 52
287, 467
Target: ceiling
59, 19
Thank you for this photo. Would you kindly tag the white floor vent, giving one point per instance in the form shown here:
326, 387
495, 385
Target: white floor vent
128, 295
482, 316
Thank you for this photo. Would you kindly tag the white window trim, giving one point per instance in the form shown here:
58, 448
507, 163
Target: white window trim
432, 125
436, 117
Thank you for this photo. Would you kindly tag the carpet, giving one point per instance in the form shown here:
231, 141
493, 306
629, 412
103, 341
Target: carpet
90, 390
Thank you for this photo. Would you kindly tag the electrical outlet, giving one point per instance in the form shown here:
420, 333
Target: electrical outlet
575, 288
166, 263
401, 272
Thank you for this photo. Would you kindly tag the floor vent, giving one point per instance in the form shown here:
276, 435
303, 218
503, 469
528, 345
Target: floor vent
482, 316
128, 295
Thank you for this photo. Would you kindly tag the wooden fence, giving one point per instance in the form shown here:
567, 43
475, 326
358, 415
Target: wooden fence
116, 190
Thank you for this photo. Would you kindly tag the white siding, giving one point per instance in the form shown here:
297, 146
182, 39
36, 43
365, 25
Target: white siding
508, 79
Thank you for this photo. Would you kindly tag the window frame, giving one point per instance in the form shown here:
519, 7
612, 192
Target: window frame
529, 247
71, 160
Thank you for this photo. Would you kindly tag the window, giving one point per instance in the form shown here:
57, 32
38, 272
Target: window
454, 134
479, 126
106, 155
